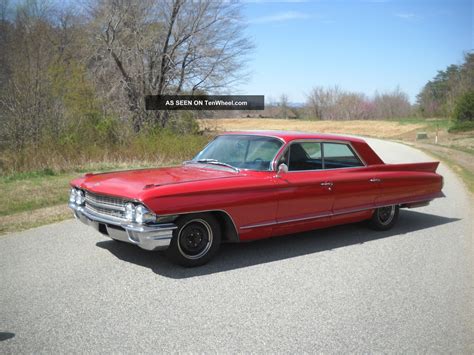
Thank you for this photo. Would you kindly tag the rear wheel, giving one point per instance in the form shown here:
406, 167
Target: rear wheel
384, 218
196, 240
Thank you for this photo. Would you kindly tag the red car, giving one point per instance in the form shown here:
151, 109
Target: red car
251, 185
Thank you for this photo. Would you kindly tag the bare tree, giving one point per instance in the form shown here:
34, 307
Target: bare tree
322, 102
335, 104
283, 106
158, 47
25, 99
393, 104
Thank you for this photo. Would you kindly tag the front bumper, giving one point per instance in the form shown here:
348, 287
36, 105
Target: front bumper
148, 237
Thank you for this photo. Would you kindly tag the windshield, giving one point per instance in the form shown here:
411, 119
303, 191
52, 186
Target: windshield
241, 151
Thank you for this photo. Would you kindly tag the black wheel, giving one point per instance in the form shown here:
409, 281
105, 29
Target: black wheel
384, 218
195, 241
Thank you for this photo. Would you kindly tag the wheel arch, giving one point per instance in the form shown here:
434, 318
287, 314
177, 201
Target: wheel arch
228, 228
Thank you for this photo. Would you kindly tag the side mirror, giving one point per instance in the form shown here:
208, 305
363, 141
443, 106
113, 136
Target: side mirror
282, 169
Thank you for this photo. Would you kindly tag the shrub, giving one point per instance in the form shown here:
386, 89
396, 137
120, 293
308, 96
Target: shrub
184, 123
462, 126
464, 110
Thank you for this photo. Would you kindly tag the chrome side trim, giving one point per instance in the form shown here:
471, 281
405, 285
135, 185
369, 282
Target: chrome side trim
287, 221
264, 224
426, 199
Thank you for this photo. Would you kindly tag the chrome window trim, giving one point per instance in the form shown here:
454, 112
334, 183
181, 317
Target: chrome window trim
321, 141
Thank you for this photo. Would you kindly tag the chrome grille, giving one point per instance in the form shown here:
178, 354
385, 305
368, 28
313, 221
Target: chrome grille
106, 205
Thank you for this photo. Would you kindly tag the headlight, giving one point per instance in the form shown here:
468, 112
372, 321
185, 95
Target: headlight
142, 215
72, 196
80, 198
129, 212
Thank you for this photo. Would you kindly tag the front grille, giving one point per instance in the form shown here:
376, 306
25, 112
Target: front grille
106, 205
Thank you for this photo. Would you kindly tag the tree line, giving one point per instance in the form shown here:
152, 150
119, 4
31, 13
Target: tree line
334, 103
441, 96
73, 73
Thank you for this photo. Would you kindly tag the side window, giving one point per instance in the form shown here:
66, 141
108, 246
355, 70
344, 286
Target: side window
305, 156
339, 155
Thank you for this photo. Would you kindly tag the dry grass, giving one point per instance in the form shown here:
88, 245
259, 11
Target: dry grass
33, 192
30, 219
383, 129
158, 149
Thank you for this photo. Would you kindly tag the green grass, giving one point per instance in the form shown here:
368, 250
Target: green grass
462, 149
431, 123
461, 127
466, 175
33, 190
25, 193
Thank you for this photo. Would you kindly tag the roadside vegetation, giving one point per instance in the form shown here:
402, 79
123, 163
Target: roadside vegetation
30, 198
73, 80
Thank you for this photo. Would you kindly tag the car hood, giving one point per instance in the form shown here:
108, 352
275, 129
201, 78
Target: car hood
131, 183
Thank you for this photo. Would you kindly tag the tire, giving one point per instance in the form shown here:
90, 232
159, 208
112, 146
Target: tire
195, 241
384, 218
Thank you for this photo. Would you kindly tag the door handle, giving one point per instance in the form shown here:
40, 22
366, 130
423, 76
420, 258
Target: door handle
375, 180
327, 183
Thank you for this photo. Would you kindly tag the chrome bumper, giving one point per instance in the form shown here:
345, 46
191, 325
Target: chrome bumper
148, 237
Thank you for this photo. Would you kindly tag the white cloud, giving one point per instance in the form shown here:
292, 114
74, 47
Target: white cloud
281, 17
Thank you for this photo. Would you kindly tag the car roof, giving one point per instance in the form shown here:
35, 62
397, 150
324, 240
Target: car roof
288, 136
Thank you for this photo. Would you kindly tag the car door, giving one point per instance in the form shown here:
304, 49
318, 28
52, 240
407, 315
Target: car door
353, 185
304, 195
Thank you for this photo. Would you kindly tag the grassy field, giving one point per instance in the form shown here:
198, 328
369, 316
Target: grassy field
385, 129
34, 198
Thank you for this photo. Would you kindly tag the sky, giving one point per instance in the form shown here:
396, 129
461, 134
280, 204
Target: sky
359, 45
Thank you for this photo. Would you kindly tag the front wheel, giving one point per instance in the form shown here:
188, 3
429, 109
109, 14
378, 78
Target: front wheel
384, 218
195, 241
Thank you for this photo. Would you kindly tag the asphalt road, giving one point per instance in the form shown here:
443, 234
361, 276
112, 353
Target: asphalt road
65, 288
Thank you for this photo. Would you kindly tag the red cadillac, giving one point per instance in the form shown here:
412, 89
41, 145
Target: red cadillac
251, 185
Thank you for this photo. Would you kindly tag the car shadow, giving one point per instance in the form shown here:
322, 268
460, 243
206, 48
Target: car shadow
6, 335
239, 255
